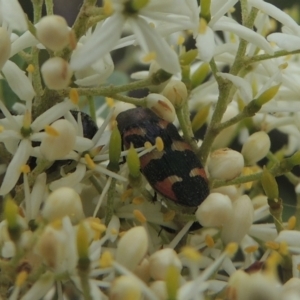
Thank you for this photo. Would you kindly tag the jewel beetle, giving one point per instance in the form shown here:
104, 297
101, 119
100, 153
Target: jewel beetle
176, 173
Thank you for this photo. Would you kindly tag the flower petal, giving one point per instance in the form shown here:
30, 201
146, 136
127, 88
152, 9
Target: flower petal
102, 41
151, 41
285, 41
13, 171
227, 24
13, 14
18, 81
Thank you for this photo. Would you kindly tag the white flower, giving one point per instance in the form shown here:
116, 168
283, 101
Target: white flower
53, 32
97, 73
225, 164
256, 147
19, 132
107, 35
12, 15
205, 40
132, 247
63, 202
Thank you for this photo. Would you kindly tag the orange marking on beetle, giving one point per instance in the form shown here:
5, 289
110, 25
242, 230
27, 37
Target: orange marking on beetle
180, 146
145, 159
198, 172
164, 187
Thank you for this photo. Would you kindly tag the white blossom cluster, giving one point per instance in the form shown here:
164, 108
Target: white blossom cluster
78, 218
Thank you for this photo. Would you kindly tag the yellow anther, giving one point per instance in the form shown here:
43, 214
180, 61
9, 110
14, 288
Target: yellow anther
231, 248
98, 227
139, 216
159, 144
125, 195
121, 233
110, 102
147, 145
25, 169
298, 267
231, 10
51, 131
191, 253
283, 248
272, 261
107, 7
169, 215
202, 26
21, 278
74, 96
56, 224
113, 231
209, 241
251, 249
180, 40
283, 66
30, 68
106, 260
138, 200
291, 223
1, 128
272, 245
90, 163
149, 57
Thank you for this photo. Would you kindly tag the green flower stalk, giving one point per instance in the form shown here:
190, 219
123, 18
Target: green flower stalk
134, 166
115, 145
11, 212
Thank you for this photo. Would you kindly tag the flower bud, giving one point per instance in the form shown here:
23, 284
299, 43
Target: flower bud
200, 74
142, 270
214, 211
56, 73
53, 32
225, 164
225, 136
132, 247
159, 288
11, 216
59, 140
161, 106
125, 288
5, 46
161, 260
115, 145
63, 202
50, 247
200, 118
176, 92
267, 95
82, 243
256, 147
269, 184
188, 57
239, 222
134, 165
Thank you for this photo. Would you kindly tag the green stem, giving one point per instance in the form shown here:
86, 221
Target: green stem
224, 92
37, 10
49, 7
183, 116
110, 201
80, 24
248, 61
126, 99
92, 108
